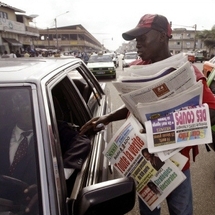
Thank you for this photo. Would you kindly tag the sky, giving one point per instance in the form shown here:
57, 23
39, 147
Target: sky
106, 20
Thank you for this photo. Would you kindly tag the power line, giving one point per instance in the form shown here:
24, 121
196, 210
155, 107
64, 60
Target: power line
194, 26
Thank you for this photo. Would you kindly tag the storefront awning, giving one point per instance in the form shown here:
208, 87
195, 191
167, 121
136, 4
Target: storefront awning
13, 42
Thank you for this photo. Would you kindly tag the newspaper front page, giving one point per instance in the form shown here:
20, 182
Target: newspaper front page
154, 180
179, 129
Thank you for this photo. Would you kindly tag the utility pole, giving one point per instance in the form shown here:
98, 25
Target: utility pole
194, 46
55, 21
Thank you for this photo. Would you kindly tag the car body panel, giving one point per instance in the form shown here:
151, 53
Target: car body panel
81, 97
208, 66
191, 57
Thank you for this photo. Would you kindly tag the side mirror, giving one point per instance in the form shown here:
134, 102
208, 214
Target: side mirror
111, 197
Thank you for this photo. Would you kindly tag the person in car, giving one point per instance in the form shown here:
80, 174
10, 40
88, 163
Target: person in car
17, 151
152, 34
21, 121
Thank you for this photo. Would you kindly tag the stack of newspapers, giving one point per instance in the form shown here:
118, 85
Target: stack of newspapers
165, 99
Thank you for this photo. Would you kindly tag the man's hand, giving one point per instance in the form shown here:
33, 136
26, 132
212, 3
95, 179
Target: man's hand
31, 198
96, 124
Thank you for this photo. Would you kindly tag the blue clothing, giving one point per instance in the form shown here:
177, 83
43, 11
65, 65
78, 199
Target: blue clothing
179, 200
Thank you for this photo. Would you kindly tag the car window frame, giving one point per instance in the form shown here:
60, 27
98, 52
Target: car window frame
47, 85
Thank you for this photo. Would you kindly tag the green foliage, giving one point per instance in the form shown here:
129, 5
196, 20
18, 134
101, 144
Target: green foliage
208, 36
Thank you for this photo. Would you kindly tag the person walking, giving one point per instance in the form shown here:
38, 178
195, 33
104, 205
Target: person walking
152, 35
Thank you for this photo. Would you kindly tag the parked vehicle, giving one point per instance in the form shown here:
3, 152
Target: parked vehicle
208, 66
46, 92
128, 58
191, 57
199, 57
102, 65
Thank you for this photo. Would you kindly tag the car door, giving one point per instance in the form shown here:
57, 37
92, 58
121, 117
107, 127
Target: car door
80, 97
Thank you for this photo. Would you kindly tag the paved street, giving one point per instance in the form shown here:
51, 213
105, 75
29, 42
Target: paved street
202, 171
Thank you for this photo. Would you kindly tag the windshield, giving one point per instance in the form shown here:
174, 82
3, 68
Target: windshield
199, 54
17, 151
130, 56
100, 58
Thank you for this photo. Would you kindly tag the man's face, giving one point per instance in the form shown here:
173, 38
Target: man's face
147, 156
24, 118
22, 110
148, 45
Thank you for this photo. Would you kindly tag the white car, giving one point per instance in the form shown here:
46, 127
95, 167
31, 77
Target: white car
128, 58
102, 65
44, 94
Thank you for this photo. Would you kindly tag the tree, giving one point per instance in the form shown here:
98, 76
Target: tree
208, 36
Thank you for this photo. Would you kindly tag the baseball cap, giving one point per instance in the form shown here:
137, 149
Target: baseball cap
148, 22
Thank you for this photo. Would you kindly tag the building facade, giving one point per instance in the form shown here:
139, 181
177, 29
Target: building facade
15, 30
73, 38
17, 33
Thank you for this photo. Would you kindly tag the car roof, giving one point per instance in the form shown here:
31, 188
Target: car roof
31, 69
131, 53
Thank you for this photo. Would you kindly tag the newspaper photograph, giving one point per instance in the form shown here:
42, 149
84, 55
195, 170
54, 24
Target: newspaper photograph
128, 152
186, 127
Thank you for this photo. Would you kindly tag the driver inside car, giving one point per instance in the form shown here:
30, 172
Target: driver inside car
17, 155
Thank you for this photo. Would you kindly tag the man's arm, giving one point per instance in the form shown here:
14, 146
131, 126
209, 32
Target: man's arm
116, 115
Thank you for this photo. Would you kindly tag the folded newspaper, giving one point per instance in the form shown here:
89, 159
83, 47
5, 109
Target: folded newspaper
155, 179
167, 101
182, 79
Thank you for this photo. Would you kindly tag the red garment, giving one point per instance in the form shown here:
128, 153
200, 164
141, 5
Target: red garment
208, 97
139, 62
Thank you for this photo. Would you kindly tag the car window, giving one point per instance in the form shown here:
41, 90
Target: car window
87, 85
71, 103
100, 58
17, 149
130, 56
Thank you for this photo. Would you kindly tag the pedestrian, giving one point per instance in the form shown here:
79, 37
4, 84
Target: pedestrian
5, 55
18, 54
152, 35
12, 55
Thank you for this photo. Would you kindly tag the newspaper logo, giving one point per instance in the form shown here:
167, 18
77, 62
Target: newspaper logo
112, 150
161, 90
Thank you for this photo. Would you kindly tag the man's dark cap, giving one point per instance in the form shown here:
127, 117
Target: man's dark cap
148, 22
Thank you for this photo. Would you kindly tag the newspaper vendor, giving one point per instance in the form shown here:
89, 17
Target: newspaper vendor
152, 35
